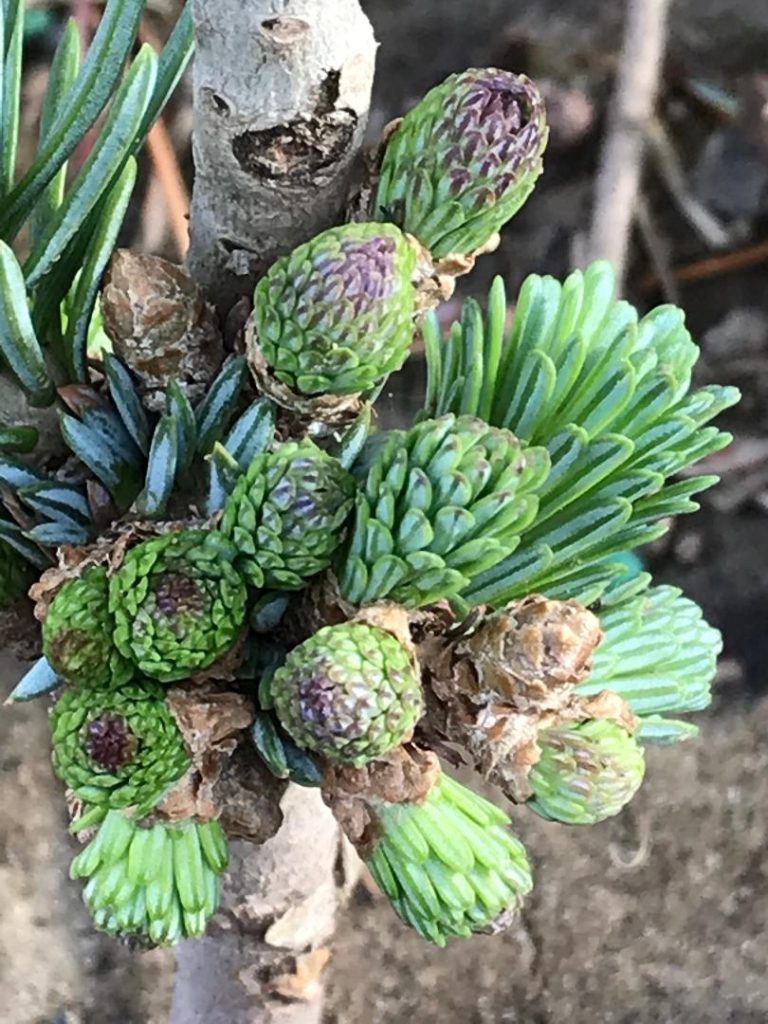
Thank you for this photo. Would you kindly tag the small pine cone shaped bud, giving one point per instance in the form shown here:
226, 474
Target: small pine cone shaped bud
16, 576
117, 748
159, 884
587, 771
533, 651
161, 326
286, 515
438, 505
335, 316
178, 603
78, 634
464, 160
350, 692
450, 864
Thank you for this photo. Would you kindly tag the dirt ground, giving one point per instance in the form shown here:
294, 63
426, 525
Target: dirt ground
656, 916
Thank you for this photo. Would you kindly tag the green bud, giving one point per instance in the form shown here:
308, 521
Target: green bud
117, 748
78, 633
287, 513
450, 865
335, 316
159, 883
178, 603
351, 692
587, 771
464, 160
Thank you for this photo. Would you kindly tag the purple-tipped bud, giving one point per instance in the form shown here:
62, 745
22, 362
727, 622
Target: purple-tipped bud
109, 742
350, 692
287, 513
336, 315
117, 747
464, 160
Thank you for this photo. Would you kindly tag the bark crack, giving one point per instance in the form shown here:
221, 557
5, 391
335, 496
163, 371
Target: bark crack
295, 153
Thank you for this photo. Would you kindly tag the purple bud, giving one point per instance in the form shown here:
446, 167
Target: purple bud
492, 106
109, 742
176, 593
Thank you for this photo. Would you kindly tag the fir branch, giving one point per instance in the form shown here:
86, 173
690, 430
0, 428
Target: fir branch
609, 394
658, 654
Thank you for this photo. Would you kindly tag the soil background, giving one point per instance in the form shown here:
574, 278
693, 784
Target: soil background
656, 916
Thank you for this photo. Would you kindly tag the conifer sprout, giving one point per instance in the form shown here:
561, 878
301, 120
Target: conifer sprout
450, 866
159, 883
336, 315
443, 855
78, 634
463, 161
438, 504
287, 513
656, 683
117, 748
178, 603
609, 395
356, 600
350, 692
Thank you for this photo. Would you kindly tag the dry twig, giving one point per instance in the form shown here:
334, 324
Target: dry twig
166, 169
619, 174
658, 250
175, 195
715, 266
707, 226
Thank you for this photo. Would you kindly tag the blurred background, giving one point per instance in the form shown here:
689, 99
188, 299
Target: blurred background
658, 915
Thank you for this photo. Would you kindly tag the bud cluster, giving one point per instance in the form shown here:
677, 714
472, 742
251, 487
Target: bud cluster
354, 602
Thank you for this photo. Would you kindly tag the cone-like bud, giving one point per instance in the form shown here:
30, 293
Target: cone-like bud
178, 603
335, 316
16, 576
160, 324
286, 515
350, 692
438, 504
117, 748
159, 883
464, 160
587, 771
78, 633
444, 856
533, 652
505, 678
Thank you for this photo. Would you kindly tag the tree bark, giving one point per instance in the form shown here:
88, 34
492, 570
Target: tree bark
262, 960
282, 90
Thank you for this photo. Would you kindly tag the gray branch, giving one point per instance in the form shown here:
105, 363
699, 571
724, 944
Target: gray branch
282, 90
279, 905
